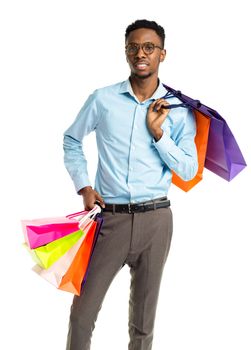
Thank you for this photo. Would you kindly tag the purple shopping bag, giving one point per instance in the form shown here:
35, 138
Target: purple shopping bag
223, 156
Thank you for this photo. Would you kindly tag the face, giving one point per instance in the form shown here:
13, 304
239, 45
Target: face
144, 65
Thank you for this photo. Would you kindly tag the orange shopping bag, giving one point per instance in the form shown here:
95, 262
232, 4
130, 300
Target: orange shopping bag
201, 139
72, 280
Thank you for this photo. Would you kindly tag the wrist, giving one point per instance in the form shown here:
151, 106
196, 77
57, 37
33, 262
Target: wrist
85, 190
157, 134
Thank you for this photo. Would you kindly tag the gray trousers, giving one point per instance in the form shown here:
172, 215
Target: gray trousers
141, 240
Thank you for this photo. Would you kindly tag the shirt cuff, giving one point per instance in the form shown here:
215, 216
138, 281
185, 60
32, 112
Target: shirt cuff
165, 145
81, 183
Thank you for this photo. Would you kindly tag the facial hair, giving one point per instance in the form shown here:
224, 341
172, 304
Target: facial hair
141, 76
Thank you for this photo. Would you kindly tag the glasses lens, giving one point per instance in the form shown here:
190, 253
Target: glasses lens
148, 48
132, 49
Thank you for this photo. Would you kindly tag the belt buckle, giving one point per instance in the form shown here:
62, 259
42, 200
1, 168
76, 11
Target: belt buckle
135, 208
131, 208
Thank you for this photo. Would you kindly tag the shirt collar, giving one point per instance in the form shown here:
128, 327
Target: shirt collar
126, 87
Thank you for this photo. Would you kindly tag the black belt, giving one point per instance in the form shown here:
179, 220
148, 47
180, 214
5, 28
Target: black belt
139, 207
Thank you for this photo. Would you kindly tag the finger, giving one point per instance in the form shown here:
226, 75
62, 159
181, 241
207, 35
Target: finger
100, 200
152, 105
160, 100
89, 205
102, 204
164, 108
161, 103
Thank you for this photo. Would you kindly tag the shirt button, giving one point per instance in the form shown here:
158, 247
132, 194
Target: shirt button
133, 147
130, 168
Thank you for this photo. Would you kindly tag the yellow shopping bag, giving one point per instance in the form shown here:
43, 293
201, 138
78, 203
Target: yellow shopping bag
48, 254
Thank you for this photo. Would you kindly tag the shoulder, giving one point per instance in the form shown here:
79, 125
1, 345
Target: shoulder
108, 90
103, 97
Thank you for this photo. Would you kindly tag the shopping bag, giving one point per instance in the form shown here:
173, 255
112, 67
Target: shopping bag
55, 272
46, 255
72, 280
201, 140
39, 232
79, 253
99, 219
223, 155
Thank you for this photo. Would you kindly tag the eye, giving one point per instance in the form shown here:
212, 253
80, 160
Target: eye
131, 48
149, 47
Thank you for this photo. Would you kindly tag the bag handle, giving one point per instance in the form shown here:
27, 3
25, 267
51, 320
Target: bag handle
89, 216
185, 105
174, 105
188, 102
71, 216
178, 94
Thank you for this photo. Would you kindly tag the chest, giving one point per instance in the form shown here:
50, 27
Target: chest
124, 122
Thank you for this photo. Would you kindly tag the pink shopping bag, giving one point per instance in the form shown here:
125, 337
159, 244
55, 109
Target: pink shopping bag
56, 271
39, 232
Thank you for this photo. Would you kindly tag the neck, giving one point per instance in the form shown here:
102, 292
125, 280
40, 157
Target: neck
144, 88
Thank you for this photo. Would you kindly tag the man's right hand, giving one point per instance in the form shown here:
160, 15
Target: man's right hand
90, 196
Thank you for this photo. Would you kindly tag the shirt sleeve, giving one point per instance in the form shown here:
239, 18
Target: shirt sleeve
180, 153
74, 157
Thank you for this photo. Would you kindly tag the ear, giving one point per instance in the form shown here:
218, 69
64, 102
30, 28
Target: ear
162, 55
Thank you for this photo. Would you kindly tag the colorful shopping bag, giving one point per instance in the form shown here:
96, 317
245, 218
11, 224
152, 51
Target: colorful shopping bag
223, 155
72, 280
46, 255
55, 272
66, 268
201, 140
39, 232
99, 219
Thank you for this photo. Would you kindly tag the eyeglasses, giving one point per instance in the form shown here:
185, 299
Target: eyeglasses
148, 48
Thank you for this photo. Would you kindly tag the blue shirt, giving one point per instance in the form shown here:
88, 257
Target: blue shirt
132, 166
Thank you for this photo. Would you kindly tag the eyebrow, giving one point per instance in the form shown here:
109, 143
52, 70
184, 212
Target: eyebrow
145, 42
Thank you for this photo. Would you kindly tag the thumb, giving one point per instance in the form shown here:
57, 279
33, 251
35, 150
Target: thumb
152, 106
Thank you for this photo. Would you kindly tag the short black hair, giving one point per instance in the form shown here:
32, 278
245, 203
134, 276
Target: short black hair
144, 23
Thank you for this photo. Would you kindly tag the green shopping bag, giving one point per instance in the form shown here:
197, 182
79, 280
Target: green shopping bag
48, 254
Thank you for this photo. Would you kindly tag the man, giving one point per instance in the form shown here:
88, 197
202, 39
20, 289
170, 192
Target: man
139, 142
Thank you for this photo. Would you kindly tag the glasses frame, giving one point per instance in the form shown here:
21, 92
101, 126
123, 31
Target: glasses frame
141, 46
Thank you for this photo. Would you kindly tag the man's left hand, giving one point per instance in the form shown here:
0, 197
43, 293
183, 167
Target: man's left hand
156, 116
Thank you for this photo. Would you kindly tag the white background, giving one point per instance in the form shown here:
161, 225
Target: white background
53, 55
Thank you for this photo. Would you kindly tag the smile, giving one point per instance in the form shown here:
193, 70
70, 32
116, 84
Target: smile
140, 66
